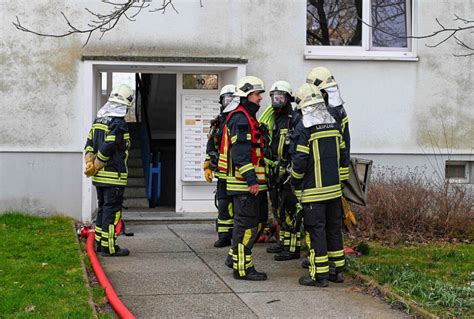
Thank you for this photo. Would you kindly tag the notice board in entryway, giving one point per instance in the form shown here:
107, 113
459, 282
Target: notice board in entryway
197, 113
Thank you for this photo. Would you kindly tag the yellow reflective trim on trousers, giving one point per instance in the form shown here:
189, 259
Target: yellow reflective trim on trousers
117, 217
241, 260
230, 209
111, 239
293, 242
322, 270
317, 165
337, 253
302, 149
321, 259
221, 229
225, 221
312, 265
231, 252
308, 240
340, 263
126, 136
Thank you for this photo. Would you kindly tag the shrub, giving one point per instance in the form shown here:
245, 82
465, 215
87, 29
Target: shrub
405, 205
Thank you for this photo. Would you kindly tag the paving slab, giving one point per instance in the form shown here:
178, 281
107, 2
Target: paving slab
152, 238
161, 273
223, 305
200, 237
318, 303
175, 272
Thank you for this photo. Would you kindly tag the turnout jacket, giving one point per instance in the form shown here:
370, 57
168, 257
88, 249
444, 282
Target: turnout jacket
340, 115
214, 141
319, 154
109, 140
241, 160
280, 126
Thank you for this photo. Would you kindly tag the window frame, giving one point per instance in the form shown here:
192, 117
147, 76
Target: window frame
458, 180
366, 51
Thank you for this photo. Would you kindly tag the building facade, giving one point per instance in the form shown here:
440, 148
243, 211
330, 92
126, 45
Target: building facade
409, 105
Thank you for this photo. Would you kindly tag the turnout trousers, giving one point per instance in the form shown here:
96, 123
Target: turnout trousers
109, 217
290, 232
249, 213
225, 217
322, 222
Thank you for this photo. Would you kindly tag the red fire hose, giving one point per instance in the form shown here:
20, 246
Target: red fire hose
114, 300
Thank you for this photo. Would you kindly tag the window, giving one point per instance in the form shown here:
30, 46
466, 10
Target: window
359, 29
457, 172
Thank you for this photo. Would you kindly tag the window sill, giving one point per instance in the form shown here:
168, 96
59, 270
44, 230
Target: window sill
311, 54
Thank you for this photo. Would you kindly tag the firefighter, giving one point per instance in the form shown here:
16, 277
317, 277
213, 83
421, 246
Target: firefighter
319, 153
241, 160
280, 120
106, 155
327, 85
225, 221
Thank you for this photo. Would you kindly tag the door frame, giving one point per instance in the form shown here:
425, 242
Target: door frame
231, 70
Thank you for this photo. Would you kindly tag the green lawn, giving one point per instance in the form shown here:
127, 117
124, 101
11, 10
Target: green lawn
437, 276
41, 275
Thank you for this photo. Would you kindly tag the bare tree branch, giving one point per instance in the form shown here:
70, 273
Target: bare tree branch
103, 23
447, 34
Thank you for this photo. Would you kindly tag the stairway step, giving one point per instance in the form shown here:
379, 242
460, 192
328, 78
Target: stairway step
136, 181
135, 192
136, 172
136, 203
135, 162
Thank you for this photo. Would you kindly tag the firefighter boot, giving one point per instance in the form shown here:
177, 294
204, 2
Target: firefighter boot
305, 263
252, 275
308, 281
119, 252
222, 242
287, 255
337, 278
229, 259
277, 248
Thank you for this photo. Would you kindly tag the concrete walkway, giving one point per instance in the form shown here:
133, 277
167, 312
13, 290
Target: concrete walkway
174, 271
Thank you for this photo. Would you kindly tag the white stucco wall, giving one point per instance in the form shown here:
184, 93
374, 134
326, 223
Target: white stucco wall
394, 107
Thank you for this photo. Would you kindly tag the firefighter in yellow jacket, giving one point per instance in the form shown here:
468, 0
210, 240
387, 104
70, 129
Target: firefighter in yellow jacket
241, 161
106, 162
318, 156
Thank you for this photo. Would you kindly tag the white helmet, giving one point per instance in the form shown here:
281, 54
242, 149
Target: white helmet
308, 94
281, 86
249, 84
122, 94
321, 77
227, 89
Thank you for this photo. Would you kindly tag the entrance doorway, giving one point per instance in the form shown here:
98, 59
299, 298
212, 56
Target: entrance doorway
167, 97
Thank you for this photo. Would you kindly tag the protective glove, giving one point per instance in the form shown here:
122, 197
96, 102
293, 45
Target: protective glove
90, 169
98, 164
207, 171
349, 217
89, 157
